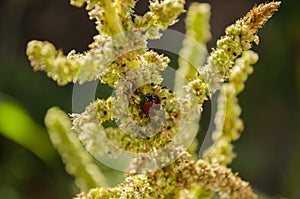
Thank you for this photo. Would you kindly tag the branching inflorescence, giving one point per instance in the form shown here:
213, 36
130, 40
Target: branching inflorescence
143, 117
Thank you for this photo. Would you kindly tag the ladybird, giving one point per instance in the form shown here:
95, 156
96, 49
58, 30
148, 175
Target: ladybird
151, 105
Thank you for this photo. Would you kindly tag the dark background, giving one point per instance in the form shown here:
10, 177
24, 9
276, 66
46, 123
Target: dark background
268, 151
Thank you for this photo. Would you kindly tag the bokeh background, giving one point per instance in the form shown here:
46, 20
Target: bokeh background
268, 151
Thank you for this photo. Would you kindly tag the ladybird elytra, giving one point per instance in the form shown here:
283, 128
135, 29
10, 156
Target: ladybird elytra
151, 104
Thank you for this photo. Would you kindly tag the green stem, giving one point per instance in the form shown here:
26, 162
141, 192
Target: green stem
112, 17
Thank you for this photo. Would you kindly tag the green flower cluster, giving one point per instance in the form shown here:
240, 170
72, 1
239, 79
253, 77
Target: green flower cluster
144, 118
119, 46
192, 55
228, 124
87, 173
166, 182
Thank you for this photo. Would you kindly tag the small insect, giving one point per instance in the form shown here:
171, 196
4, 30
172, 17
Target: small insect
151, 105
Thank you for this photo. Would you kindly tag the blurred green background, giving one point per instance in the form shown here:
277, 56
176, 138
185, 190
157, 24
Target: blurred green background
268, 151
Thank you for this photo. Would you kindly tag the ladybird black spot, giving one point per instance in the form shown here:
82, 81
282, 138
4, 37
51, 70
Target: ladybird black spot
170, 91
164, 98
152, 84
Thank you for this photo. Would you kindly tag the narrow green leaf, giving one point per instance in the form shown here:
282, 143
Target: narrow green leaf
17, 125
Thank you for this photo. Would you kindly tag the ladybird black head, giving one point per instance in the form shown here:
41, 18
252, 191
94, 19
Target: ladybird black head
151, 101
150, 98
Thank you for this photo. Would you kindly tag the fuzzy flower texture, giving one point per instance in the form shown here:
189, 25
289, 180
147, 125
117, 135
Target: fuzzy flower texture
143, 119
